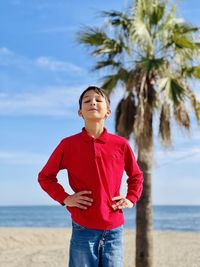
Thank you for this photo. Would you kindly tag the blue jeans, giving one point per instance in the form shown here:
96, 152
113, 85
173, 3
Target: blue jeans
95, 248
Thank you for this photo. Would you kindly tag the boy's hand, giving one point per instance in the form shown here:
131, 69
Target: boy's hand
79, 200
121, 203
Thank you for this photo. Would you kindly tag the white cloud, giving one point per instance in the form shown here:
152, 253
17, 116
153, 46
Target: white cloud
55, 101
21, 158
9, 58
52, 64
5, 51
58, 29
173, 156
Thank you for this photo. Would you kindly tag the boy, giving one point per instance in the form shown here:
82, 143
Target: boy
95, 161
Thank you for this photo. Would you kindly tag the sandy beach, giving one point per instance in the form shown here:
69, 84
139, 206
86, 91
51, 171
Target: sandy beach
48, 247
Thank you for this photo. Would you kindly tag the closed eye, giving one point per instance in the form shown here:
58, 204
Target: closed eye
97, 100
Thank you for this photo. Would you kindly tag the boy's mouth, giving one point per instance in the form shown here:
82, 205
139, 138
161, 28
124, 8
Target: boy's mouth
93, 109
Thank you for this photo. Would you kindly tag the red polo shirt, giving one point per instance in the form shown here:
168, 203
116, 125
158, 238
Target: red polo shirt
95, 164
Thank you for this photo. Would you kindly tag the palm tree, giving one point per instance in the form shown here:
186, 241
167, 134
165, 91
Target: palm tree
153, 55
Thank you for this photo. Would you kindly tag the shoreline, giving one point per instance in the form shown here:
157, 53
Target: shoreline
42, 247
67, 228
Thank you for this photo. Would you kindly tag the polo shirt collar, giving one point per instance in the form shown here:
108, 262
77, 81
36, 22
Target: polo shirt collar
87, 137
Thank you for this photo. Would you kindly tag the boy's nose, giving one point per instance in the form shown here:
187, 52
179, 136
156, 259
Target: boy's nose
93, 102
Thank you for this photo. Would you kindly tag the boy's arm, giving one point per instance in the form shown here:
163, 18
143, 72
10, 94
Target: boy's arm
47, 176
135, 178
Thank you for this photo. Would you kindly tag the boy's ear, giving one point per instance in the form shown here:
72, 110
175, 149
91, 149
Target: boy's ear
80, 113
108, 113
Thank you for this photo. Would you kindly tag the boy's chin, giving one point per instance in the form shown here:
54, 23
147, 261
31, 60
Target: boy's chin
94, 118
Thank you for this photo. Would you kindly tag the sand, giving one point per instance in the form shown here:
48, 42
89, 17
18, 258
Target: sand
42, 247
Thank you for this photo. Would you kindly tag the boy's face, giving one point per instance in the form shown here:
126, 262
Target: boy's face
94, 106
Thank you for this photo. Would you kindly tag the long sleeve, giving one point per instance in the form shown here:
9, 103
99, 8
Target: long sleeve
47, 176
135, 177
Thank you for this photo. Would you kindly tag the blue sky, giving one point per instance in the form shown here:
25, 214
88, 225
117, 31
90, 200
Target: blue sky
42, 73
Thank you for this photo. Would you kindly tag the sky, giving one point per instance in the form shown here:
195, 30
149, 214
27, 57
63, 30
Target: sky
42, 73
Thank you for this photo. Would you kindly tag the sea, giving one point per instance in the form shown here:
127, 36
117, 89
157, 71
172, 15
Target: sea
165, 218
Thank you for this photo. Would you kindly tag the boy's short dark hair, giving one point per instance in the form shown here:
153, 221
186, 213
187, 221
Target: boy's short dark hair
98, 90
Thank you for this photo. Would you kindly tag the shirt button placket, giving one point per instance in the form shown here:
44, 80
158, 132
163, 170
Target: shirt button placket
94, 145
96, 149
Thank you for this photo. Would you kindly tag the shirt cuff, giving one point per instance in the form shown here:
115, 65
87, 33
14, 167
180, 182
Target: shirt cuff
132, 199
62, 198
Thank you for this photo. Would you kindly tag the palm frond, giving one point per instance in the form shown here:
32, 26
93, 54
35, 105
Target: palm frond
125, 116
172, 89
195, 103
117, 19
118, 112
193, 71
164, 125
109, 46
133, 79
182, 116
185, 28
110, 81
91, 36
139, 30
181, 35
143, 128
197, 111
100, 43
112, 14
143, 119
151, 64
157, 13
107, 63
140, 34
182, 42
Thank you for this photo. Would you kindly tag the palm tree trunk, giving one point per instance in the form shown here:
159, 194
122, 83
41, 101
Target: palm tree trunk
144, 238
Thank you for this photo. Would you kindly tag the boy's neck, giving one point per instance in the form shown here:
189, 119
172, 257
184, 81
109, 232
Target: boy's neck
95, 129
